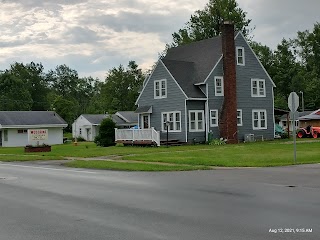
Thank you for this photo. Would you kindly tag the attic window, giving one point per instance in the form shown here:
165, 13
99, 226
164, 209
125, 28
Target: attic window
240, 56
218, 86
160, 89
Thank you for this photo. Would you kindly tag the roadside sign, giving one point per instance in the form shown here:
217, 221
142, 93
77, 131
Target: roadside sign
37, 134
294, 115
293, 101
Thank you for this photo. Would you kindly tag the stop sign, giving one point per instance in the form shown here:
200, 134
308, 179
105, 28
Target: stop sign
293, 101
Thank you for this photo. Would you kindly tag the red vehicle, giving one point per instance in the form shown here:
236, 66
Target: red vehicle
309, 132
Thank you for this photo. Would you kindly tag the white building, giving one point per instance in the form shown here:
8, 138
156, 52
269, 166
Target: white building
87, 125
14, 126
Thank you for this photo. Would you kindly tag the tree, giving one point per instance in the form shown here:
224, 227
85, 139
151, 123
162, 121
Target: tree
207, 23
286, 73
106, 136
307, 46
265, 55
34, 78
14, 96
121, 88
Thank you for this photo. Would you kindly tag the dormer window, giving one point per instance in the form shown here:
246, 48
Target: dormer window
240, 56
160, 89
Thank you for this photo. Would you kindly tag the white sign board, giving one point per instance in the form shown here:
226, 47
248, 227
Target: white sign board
293, 101
37, 134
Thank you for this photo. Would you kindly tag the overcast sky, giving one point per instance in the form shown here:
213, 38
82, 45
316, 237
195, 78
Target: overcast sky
92, 36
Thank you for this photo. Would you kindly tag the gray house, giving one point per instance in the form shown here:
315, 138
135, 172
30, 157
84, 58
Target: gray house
215, 86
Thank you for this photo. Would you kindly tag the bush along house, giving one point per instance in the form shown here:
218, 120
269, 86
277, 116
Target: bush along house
215, 87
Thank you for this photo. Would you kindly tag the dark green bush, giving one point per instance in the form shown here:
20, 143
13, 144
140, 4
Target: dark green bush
106, 136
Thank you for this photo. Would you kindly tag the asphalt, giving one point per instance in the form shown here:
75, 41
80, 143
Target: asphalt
41, 200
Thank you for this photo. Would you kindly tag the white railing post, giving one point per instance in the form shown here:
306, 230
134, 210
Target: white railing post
116, 133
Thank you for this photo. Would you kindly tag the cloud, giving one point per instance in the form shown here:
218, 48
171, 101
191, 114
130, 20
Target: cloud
92, 36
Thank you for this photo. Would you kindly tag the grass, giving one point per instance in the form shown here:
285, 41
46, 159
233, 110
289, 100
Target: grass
263, 154
125, 166
260, 154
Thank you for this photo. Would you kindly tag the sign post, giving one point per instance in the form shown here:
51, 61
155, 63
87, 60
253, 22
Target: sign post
293, 104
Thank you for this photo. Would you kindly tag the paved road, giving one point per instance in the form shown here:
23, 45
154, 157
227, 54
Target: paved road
39, 201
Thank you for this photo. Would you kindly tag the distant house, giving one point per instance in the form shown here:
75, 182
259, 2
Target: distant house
14, 126
87, 125
215, 86
286, 121
312, 119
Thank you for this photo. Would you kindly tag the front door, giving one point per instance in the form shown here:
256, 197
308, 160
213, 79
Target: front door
0, 138
145, 121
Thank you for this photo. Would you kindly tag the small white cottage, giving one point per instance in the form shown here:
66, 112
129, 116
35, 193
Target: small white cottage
87, 125
14, 126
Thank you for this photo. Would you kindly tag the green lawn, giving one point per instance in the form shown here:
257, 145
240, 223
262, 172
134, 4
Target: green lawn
260, 154
124, 166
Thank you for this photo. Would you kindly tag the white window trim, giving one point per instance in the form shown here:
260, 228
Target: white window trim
160, 89
259, 119
142, 120
215, 86
243, 56
196, 120
174, 121
241, 121
258, 87
217, 118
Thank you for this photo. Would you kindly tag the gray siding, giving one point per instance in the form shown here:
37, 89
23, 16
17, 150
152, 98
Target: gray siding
175, 101
196, 136
214, 102
253, 69
245, 102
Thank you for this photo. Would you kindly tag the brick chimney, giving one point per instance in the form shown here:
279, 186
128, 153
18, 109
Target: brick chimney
228, 114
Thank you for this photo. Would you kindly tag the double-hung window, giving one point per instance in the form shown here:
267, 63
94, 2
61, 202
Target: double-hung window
173, 119
259, 119
213, 118
160, 89
196, 121
239, 117
218, 86
258, 88
240, 56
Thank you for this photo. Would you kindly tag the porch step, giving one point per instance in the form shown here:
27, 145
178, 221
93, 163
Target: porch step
171, 142
138, 143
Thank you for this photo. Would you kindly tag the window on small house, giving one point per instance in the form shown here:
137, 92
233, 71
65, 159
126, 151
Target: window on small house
213, 118
239, 117
258, 88
259, 119
174, 119
196, 121
160, 89
5, 135
22, 130
218, 86
240, 56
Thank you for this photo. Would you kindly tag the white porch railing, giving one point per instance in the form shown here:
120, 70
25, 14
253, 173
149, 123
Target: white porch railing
137, 135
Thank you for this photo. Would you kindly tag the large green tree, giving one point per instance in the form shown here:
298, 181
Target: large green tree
207, 23
120, 90
14, 95
34, 80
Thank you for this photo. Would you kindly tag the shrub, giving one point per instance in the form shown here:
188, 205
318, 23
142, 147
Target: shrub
106, 136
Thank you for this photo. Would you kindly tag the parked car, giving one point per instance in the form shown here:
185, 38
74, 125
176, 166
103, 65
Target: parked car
309, 131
